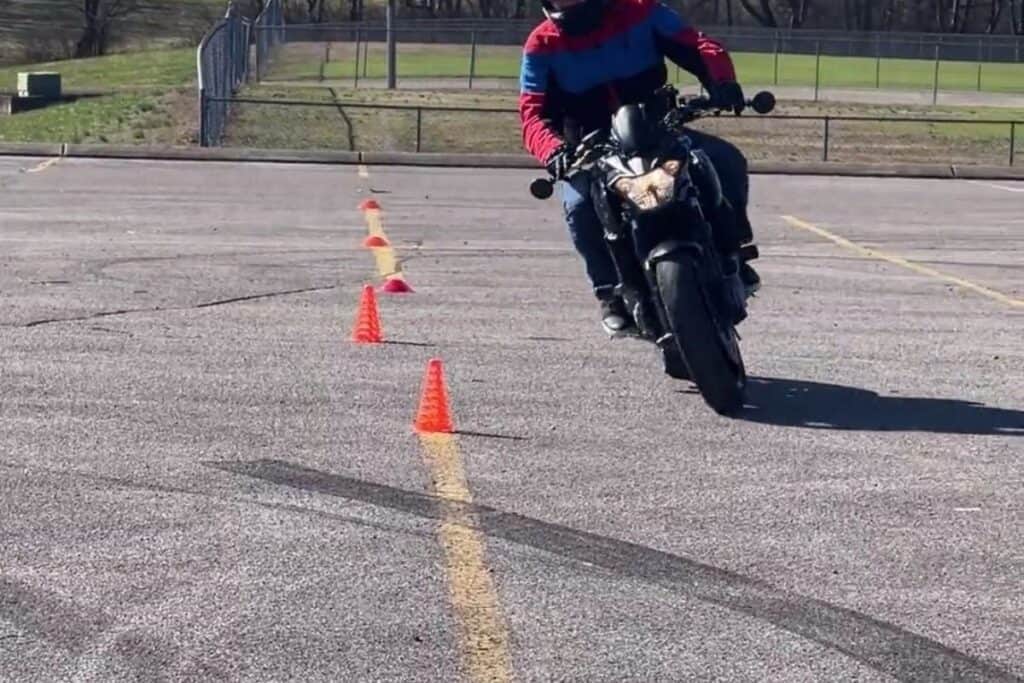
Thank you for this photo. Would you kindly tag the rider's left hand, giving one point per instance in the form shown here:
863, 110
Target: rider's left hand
729, 95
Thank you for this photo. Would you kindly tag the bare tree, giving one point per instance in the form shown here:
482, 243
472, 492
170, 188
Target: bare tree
995, 14
797, 12
98, 17
762, 13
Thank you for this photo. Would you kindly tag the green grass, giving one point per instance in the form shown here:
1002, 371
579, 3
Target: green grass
115, 118
268, 126
145, 98
157, 68
303, 62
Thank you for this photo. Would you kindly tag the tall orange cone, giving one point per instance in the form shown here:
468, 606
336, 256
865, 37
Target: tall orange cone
367, 328
434, 415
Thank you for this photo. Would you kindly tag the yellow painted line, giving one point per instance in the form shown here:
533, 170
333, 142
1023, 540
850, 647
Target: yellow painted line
387, 264
364, 172
896, 260
44, 165
482, 630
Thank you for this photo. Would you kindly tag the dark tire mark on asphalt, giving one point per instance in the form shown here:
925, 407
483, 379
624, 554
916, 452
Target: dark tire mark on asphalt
882, 646
131, 485
157, 309
49, 617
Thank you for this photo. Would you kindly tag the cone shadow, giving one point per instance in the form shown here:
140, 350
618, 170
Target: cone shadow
487, 435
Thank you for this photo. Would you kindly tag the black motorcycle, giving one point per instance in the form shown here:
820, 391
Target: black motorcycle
657, 198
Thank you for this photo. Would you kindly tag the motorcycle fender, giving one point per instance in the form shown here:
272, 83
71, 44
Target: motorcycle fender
671, 247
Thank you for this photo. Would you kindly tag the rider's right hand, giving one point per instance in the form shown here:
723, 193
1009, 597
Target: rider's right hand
559, 162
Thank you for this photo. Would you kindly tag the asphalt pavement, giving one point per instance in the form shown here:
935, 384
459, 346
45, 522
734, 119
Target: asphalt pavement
202, 478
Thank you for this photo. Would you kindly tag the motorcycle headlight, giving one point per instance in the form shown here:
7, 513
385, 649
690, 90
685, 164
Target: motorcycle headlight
650, 190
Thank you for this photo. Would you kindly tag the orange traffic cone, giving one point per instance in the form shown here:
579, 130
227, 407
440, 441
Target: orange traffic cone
434, 415
396, 285
375, 242
367, 328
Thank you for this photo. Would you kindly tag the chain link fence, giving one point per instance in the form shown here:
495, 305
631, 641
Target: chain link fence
270, 32
487, 54
222, 62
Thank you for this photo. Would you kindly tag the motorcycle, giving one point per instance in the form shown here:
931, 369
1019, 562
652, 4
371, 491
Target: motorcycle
656, 197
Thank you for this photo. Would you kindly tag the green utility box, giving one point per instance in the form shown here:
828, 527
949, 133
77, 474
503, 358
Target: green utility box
39, 84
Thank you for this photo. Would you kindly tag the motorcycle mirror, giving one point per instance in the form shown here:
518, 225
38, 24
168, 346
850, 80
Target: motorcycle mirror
542, 188
763, 102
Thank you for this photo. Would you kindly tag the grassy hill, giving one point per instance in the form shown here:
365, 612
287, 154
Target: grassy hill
142, 97
41, 30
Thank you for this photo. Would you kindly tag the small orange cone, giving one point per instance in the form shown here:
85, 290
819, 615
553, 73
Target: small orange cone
397, 285
367, 328
434, 415
369, 205
375, 241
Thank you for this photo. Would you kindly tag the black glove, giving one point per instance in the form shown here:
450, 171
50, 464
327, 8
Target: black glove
559, 162
729, 95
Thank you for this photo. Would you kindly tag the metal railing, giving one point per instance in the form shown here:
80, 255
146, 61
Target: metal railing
826, 121
222, 63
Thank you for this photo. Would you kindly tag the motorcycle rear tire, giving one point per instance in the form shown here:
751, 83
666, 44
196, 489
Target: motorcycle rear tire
711, 352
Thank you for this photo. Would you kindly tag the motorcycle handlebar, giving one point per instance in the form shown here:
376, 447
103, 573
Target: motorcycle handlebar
762, 103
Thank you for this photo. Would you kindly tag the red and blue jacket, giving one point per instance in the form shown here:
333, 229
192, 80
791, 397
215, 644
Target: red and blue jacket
570, 85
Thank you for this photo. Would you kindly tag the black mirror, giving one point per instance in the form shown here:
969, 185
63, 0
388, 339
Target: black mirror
763, 102
542, 188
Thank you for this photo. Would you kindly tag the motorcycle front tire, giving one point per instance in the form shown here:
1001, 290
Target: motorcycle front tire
711, 352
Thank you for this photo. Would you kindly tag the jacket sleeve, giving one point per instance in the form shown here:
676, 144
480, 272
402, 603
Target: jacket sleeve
692, 50
539, 136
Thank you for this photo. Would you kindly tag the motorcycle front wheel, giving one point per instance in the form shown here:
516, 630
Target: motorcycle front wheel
711, 351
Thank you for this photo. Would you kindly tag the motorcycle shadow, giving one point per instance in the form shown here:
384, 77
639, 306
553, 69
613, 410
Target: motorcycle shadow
813, 405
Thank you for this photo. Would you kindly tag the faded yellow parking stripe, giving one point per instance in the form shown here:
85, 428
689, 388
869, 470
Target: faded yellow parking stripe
909, 265
482, 630
387, 264
44, 165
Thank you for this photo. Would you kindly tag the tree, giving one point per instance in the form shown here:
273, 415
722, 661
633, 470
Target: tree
98, 17
1017, 17
763, 13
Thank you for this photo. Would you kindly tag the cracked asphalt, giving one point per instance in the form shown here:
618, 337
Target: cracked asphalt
201, 478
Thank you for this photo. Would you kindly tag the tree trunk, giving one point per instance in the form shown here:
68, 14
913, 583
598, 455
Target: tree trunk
764, 15
994, 15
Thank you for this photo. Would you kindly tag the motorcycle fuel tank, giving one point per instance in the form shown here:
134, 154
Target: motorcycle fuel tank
630, 130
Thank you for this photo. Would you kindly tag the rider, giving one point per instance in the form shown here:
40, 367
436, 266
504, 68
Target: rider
587, 59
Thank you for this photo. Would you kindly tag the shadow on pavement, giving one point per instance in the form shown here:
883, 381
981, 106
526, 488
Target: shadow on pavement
798, 403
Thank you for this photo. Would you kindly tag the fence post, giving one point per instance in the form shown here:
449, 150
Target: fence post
817, 70
366, 58
259, 54
935, 83
981, 59
359, 42
419, 128
202, 118
1013, 140
824, 153
878, 61
778, 48
472, 59
391, 49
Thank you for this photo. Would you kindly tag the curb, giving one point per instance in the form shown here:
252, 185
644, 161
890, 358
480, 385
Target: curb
469, 160
31, 149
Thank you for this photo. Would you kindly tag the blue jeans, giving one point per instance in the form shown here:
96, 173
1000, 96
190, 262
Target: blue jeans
586, 230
